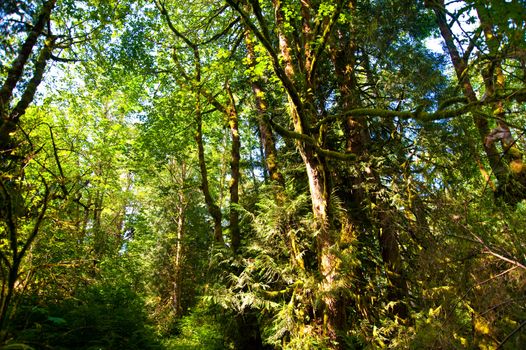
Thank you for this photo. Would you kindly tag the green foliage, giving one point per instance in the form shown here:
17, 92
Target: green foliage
105, 197
203, 328
100, 316
277, 276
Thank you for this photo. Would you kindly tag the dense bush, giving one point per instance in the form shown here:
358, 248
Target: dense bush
98, 317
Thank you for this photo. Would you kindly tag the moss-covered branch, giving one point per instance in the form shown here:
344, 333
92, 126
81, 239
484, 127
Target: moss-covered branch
31, 88
263, 37
17, 68
284, 132
518, 95
325, 37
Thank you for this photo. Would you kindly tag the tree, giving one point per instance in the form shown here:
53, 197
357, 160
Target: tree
495, 45
281, 174
26, 196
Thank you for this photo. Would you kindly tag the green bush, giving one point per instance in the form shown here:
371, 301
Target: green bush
98, 317
202, 328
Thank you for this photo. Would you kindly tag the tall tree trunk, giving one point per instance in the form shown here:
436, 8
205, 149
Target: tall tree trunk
298, 77
357, 137
460, 64
328, 261
319, 181
494, 81
178, 257
265, 131
9, 119
233, 123
16, 249
267, 140
213, 208
177, 291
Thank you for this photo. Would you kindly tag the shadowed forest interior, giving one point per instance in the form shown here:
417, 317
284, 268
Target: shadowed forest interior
262, 174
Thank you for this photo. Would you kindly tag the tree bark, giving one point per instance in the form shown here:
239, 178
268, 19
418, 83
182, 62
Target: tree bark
233, 123
265, 131
178, 258
9, 119
317, 173
213, 208
498, 166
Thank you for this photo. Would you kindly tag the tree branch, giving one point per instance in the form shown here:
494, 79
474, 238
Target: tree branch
59, 166
309, 140
65, 60
164, 12
508, 337
264, 39
324, 37
417, 114
39, 221
31, 88
17, 68
223, 32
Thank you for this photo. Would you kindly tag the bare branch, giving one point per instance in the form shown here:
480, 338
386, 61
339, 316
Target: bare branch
508, 337
38, 223
62, 178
